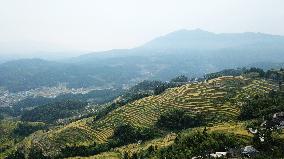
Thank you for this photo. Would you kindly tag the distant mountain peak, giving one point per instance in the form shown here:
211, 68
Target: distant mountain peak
186, 32
179, 39
198, 39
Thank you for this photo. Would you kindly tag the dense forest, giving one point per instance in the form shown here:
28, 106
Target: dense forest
95, 97
51, 112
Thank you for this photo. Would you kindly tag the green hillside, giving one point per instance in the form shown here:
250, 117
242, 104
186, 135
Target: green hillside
6, 138
13, 132
211, 97
219, 98
237, 128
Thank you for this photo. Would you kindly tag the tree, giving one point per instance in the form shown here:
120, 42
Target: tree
16, 155
134, 156
126, 133
53, 111
160, 89
263, 139
177, 119
263, 106
36, 153
25, 128
199, 144
181, 78
260, 72
125, 155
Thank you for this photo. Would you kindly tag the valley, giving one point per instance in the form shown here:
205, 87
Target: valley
215, 103
7, 99
187, 94
141, 79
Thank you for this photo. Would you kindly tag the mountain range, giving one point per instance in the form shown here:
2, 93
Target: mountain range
189, 52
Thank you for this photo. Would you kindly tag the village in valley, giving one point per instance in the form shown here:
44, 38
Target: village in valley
8, 98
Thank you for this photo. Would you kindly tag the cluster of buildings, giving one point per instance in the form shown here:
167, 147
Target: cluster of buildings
246, 152
8, 99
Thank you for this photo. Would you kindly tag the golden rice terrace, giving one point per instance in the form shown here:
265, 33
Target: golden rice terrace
218, 98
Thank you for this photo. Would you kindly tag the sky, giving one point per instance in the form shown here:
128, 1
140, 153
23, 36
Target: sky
81, 26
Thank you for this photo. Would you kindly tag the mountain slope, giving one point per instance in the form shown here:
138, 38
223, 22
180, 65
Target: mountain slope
194, 53
189, 52
212, 98
26, 74
203, 40
218, 98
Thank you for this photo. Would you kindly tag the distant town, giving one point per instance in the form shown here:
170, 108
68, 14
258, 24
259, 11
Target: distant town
7, 99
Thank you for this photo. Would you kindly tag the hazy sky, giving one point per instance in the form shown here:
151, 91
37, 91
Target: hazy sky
95, 25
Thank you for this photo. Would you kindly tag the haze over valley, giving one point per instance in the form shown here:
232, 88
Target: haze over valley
145, 79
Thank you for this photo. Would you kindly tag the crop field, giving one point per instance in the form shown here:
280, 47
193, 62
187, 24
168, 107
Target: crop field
217, 98
209, 97
237, 128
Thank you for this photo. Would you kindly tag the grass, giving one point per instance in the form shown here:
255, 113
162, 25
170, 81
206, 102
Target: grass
106, 155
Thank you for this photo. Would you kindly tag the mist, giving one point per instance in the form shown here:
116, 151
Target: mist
68, 28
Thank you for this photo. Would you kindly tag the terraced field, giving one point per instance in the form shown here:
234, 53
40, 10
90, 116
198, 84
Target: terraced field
106, 155
209, 97
51, 142
254, 88
212, 97
237, 128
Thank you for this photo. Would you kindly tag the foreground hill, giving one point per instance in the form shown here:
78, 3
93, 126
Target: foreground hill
216, 98
12, 132
237, 128
220, 99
